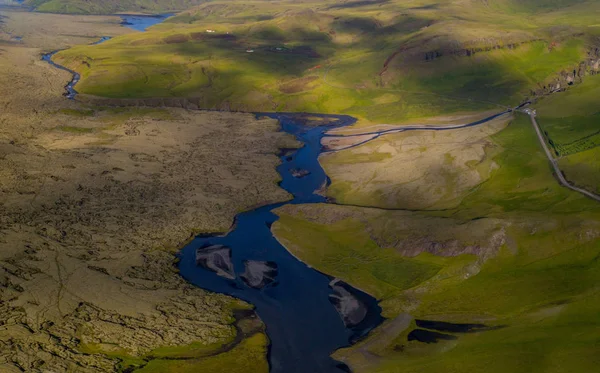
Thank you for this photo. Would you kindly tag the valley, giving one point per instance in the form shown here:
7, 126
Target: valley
315, 186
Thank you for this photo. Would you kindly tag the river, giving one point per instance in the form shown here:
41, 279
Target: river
308, 315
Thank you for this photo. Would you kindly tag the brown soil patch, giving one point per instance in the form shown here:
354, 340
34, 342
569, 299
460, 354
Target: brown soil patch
414, 169
177, 39
298, 85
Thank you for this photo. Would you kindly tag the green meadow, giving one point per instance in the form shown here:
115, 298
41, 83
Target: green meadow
571, 122
241, 347
247, 356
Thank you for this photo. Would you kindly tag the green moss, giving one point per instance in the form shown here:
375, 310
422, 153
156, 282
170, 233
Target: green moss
77, 113
353, 256
539, 288
218, 356
192, 350
80, 130
248, 356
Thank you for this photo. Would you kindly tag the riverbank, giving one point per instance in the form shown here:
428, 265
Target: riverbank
221, 255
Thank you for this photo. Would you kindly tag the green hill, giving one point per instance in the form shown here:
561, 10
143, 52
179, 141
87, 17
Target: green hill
381, 61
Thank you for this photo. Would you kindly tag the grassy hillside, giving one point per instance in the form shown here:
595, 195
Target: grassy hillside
110, 6
381, 61
519, 254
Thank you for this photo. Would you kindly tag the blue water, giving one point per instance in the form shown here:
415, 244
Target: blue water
70, 91
303, 326
142, 22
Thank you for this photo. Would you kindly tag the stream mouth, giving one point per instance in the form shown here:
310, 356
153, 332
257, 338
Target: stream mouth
308, 315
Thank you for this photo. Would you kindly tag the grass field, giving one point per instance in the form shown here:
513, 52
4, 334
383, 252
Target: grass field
571, 122
248, 356
381, 61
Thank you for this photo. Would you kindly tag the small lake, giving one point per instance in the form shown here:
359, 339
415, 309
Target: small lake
142, 22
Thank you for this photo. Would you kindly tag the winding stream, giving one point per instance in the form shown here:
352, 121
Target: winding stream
135, 22
298, 304
302, 323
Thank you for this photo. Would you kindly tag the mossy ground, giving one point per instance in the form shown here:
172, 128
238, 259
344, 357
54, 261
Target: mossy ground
248, 356
541, 283
109, 6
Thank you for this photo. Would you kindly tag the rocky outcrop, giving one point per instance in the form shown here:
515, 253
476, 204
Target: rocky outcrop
470, 51
483, 249
569, 77
259, 274
350, 308
216, 258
